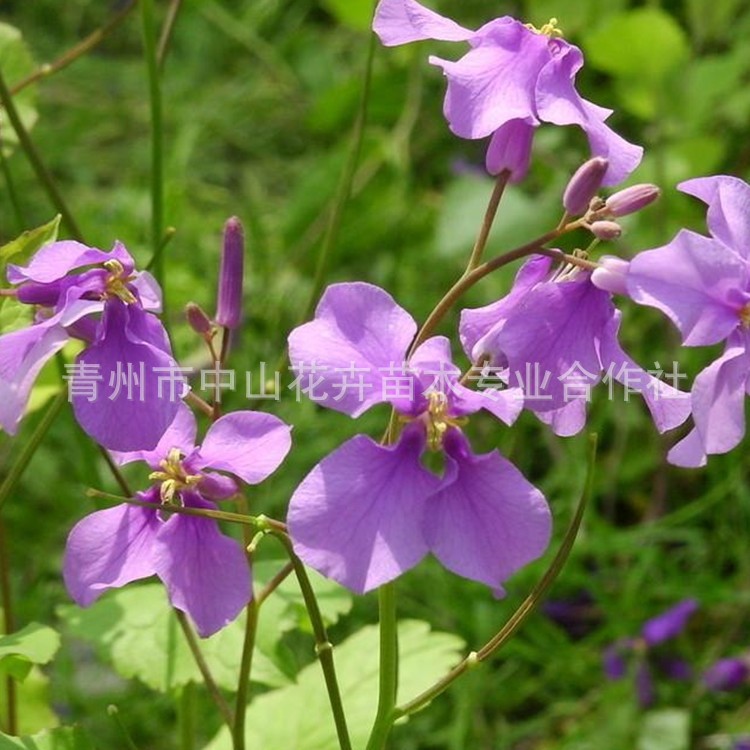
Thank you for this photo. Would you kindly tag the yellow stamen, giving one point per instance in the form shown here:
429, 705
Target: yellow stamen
438, 421
549, 29
745, 316
116, 282
173, 478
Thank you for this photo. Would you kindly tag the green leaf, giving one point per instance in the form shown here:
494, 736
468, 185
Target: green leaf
35, 644
646, 44
33, 702
16, 63
667, 729
24, 246
299, 716
62, 738
135, 630
354, 13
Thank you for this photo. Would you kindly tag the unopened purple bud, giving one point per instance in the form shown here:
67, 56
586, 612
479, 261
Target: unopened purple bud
611, 275
726, 674
229, 304
631, 199
605, 230
668, 624
584, 185
197, 319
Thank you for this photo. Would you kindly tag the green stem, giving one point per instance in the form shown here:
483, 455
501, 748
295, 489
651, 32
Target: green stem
208, 679
522, 613
243, 684
9, 626
323, 647
489, 218
167, 31
388, 668
12, 193
186, 717
114, 713
274, 583
80, 49
28, 450
43, 174
157, 165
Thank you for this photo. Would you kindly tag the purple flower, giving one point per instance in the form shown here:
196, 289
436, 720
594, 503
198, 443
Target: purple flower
703, 285
653, 633
206, 573
514, 78
368, 512
554, 335
82, 292
726, 674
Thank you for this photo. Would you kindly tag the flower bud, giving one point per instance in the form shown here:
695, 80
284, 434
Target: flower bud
229, 303
584, 185
605, 230
631, 199
611, 274
197, 319
726, 674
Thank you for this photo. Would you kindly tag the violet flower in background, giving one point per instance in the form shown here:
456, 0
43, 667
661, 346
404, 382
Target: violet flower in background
726, 674
703, 285
86, 293
554, 335
513, 79
645, 650
206, 573
369, 512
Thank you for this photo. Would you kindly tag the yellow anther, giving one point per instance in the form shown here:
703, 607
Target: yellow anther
173, 476
437, 419
745, 316
116, 283
549, 29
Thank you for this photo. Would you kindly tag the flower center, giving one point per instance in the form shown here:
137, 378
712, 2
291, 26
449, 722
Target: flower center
115, 284
549, 29
745, 316
173, 476
437, 420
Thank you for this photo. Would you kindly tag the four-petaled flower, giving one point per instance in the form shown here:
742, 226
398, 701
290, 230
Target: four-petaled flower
86, 293
554, 335
206, 573
703, 285
368, 512
514, 78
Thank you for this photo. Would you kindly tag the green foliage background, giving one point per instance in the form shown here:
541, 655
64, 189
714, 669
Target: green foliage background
259, 99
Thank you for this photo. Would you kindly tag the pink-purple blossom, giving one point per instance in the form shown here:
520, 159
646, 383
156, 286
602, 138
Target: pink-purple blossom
513, 78
205, 572
368, 512
703, 285
555, 336
96, 296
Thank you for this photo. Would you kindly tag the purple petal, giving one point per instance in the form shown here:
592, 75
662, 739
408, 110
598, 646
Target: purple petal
207, 574
644, 685
250, 444
551, 341
180, 434
129, 414
558, 102
217, 486
510, 149
108, 549
476, 323
403, 21
357, 326
697, 282
566, 421
728, 200
357, 517
613, 659
487, 520
23, 354
668, 624
718, 404
57, 259
149, 291
505, 404
669, 406
726, 674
